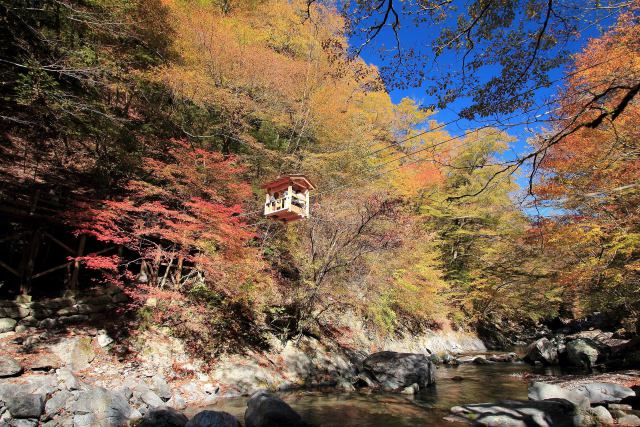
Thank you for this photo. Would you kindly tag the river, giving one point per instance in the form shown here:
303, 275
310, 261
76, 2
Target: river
475, 384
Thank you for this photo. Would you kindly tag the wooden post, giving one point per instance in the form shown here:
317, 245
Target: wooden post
287, 202
306, 204
73, 283
266, 204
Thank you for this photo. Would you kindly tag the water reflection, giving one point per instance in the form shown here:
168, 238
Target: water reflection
484, 383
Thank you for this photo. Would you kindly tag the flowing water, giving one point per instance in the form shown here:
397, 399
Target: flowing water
474, 384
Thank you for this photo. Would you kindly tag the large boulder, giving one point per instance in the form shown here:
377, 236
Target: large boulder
543, 351
604, 392
163, 417
543, 391
25, 405
100, 407
397, 371
267, 410
518, 413
213, 419
9, 367
582, 352
57, 402
7, 324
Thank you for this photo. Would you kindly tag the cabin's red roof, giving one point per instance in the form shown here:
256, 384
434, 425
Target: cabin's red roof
298, 180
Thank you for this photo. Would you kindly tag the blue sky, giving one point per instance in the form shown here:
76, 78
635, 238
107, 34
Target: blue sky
412, 36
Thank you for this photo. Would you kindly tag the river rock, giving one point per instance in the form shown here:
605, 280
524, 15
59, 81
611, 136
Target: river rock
601, 415
213, 419
542, 391
163, 417
103, 339
46, 362
396, 371
267, 410
582, 352
503, 358
82, 354
57, 402
9, 367
151, 399
22, 422
604, 392
25, 405
543, 351
160, 387
7, 324
629, 421
68, 379
518, 413
105, 408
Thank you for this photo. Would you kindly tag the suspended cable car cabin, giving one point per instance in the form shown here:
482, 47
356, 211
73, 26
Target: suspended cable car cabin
287, 198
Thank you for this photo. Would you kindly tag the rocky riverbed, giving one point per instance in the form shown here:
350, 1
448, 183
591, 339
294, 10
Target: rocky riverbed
57, 368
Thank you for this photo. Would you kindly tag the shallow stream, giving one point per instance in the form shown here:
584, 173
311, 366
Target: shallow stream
475, 384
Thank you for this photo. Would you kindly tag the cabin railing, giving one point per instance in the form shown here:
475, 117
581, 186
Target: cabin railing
285, 203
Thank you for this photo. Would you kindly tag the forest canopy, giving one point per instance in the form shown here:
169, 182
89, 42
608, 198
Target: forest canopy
149, 126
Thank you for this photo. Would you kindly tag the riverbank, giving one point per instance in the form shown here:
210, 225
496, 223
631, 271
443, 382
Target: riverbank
68, 366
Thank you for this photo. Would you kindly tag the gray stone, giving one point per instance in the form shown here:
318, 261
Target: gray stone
57, 402
629, 421
543, 351
82, 354
103, 339
213, 419
126, 391
46, 362
107, 408
7, 324
160, 387
543, 391
581, 352
135, 414
15, 310
267, 410
503, 358
48, 323
68, 379
601, 415
604, 392
9, 367
151, 399
395, 371
21, 328
518, 413
177, 402
163, 417
619, 407
39, 384
25, 405
23, 423
29, 321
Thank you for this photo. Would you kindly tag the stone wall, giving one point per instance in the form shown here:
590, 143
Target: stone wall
22, 313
